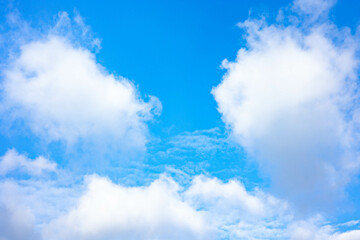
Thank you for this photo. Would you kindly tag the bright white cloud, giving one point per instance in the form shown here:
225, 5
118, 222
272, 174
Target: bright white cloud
288, 99
237, 213
62, 93
12, 161
110, 211
207, 209
224, 197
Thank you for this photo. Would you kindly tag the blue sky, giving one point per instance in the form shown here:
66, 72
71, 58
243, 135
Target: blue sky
179, 120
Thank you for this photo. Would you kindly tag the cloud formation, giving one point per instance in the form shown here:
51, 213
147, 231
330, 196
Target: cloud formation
206, 209
60, 207
13, 161
111, 211
290, 100
61, 93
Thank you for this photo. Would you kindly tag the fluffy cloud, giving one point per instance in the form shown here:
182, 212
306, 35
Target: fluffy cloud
110, 211
62, 93
12, 161
237, 213
206, 209
60, 207
289, 100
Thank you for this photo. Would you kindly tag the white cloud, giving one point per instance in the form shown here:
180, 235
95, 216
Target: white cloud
207, 208
110, 211
224, 197
62, 93
12, 161
289, 100
237, 213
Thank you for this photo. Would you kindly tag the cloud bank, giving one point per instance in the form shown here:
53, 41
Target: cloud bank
98, 208
206, 209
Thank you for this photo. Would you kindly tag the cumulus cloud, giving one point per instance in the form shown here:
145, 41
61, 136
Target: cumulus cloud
206, 209
13, 161
110, 211
289, 99
58, 89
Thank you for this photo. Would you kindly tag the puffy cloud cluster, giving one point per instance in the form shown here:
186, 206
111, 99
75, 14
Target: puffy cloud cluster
62, 93
290, 100
207, 208
110, 211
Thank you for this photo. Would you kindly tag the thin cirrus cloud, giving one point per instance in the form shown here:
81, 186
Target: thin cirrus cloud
289, 100
61, 93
